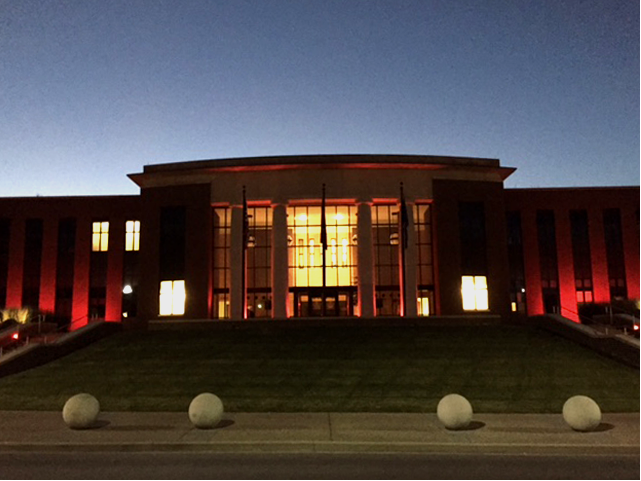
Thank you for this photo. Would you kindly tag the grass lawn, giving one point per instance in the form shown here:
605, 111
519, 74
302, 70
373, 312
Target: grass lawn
402, 369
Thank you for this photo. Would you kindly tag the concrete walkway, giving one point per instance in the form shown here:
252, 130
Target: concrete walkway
319, 432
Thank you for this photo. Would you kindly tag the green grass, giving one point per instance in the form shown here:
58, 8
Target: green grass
259, 369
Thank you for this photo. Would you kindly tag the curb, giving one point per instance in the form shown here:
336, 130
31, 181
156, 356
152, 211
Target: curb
333, 447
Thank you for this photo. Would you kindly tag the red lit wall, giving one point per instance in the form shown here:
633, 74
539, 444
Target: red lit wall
561, 202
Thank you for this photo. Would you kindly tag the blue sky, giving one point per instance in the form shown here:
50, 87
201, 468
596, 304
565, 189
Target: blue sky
93, 90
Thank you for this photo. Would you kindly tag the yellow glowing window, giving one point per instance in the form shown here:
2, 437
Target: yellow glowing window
344, 242
311, 253
423, 306
333, 244
301, 253
132, 235
172, 298
474, 292
100, 237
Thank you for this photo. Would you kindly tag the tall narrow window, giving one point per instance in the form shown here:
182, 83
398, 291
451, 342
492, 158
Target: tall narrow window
100, 238
474, 292
132, 235
581, 256
172, 298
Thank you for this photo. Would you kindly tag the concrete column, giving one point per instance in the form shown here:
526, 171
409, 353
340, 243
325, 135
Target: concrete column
411, 260
48, 265
280, 267
115, 257
82, 259
365, 258
567, 284
600, 279
237, 252
534, 296
16, 263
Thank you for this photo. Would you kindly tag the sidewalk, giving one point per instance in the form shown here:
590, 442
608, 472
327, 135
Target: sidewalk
319, 432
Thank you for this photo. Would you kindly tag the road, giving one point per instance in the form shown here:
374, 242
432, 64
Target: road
199, 465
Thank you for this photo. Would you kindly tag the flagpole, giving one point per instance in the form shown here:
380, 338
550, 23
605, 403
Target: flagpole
244, 255
323, 239
403, 246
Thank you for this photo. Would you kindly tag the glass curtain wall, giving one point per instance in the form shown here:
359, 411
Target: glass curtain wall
305, 255
385, 226
259, 246
425, 258
221, 270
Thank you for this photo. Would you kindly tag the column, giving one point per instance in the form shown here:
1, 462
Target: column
280, 267
48, 267
411, 259
113, 311
531, 262
600, 278
236, 295
365, 259
82, 259
630, 230
565, 262
16, 263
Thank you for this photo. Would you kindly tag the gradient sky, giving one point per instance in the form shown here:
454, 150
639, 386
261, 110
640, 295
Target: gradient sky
93, 90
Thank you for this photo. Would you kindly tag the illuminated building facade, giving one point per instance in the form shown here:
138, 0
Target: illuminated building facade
330, 235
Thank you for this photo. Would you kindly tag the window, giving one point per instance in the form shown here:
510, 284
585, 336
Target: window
100, 239
474, 292
132, 235
221, 269
172, 298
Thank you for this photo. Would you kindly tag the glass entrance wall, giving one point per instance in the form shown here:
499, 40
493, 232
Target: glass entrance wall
305, 260
221, 269
305, 250
425, 262
259, 247
385, 226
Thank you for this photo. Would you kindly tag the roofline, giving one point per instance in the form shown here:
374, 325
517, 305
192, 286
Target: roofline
322, 159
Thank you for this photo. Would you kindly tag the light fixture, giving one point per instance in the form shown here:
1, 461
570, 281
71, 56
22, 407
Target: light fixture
393, 239
127, 289
302, 217
339, 217
251, 241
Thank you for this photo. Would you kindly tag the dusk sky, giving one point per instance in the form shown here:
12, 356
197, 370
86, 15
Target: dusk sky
93, 90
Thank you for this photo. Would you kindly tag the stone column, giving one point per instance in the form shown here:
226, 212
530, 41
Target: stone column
365, 259
411, 259
280, 267
236, 295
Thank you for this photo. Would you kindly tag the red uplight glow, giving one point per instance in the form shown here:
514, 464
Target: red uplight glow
14, 335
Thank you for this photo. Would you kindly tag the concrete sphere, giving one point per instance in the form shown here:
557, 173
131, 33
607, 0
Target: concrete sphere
582, 413
206, 411
454, 411
81, 411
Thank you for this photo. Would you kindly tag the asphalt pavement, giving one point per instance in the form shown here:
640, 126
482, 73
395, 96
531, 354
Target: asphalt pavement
541, 434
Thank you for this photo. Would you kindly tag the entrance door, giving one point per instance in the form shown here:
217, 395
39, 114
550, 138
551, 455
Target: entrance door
339, 302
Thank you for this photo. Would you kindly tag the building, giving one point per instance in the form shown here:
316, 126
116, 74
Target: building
321, 235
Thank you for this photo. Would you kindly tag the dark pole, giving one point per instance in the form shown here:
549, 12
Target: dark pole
403, 246
323, 240
244, 255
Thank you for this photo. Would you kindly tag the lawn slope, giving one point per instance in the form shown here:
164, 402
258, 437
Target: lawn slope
375, 369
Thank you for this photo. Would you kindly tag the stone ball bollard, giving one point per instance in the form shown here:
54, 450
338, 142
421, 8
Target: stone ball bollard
454, 411
206, 411
582, 413
81, 411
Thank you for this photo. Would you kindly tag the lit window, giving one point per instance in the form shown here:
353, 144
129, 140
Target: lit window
301, 253
474, 292
172, 298
344, 242
100, 238
132, 235
311, 252
333, 244
423, 306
